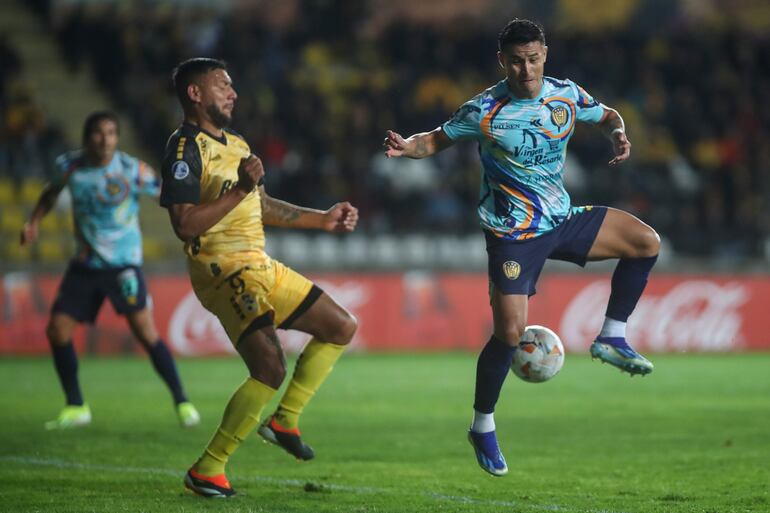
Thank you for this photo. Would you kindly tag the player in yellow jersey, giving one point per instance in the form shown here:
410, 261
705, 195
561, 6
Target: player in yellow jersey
212, 188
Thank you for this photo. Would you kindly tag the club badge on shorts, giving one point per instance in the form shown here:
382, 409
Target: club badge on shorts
511, 269
128, 281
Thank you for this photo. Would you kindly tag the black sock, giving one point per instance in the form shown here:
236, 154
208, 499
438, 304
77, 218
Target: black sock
491, 370
66, 362
166, 368
628, 282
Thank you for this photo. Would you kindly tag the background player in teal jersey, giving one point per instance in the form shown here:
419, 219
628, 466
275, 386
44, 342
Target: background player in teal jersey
105, 185
522, 125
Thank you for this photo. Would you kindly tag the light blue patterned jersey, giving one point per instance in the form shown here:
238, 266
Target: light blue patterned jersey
105, 206
523, 144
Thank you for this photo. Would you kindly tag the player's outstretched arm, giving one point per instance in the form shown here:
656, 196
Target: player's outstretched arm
417, 146
45, 203
613, 127
149, 181
342, 217
190, 220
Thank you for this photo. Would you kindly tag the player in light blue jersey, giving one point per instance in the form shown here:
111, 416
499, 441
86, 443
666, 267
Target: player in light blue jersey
105, 185
522, 125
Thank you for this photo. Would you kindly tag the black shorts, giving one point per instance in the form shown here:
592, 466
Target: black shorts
514, 266
83, 289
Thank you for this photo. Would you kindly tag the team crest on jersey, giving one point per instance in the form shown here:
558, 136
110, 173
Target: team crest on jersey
114, 190
562, 116
511, 269
559, 116
180, 169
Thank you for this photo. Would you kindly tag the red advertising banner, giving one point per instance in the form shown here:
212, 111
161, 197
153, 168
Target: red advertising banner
426, 311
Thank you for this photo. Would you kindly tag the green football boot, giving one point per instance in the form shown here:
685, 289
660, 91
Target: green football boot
71, 417
188, 415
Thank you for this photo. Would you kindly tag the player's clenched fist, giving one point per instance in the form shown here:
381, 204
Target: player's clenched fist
250, 172
342, 217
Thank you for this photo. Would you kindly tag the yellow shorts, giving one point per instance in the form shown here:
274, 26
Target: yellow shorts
255, 295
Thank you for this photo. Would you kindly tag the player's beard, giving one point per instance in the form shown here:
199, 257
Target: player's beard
219, 118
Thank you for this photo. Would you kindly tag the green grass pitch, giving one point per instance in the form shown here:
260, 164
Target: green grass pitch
389, 433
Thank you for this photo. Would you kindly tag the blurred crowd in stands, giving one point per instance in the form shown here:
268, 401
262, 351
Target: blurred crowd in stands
28, 141
319, 82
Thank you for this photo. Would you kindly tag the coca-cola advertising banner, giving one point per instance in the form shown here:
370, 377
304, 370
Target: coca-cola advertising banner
426, 311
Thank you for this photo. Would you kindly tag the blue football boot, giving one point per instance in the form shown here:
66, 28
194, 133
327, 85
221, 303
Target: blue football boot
617, 352
488, 453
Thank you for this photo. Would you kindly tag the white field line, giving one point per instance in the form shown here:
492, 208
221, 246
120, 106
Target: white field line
360, 490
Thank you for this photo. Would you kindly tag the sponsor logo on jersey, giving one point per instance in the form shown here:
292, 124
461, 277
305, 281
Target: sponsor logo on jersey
511, 269
180, 169
505, 125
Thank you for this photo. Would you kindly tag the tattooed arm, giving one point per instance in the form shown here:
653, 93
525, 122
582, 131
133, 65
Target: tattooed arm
342, 217
417, 146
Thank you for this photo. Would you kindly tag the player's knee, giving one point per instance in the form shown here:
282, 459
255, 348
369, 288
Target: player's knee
271, 373
143, 328
511, 334
338, 329
58, 333
649, 243
276, 374
148, 339
346, 328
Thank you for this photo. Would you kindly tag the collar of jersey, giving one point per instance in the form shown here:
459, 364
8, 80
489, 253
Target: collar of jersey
514, 98
220, 140
81, 163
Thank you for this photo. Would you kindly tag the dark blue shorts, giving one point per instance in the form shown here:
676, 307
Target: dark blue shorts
83, 289
514, 266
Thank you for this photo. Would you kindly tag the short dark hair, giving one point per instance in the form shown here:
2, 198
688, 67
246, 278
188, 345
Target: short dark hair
186, 73
518, 32
93, 120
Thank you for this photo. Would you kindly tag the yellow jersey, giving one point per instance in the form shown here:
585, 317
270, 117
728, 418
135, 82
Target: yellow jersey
230, 272
198, 168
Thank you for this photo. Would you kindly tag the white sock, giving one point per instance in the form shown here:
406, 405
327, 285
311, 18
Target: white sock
483, 422
613, 328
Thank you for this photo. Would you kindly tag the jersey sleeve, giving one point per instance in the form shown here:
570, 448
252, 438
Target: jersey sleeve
465, 123
181, 171
588, 109
62, 169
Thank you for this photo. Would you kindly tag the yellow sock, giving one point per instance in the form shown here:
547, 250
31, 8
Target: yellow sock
240, 418
314, 365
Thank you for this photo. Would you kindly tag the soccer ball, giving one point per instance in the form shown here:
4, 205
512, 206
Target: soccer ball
539, 355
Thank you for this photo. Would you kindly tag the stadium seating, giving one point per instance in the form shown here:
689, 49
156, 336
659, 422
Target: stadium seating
697, 163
